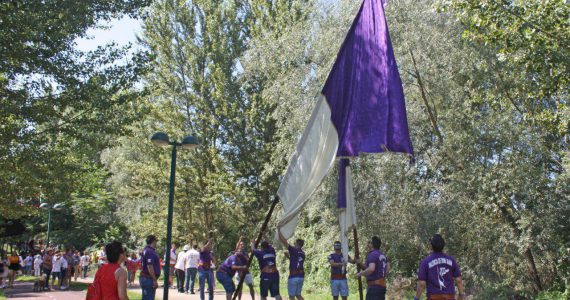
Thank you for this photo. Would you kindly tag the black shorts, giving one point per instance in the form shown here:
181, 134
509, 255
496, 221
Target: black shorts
269, 286
14, 267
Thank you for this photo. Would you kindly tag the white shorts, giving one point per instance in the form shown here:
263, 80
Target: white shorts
247, 280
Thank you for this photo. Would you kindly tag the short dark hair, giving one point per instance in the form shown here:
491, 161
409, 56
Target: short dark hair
195, 247
300, 242
150, 239
376, 242
437, 243
264, 245
113, 250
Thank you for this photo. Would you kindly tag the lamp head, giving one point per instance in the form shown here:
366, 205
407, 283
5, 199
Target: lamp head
160, 139
190, 142
44, 206
58, 206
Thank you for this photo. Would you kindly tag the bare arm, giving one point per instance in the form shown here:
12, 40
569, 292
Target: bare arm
152, 275
367, 271
121, 277
207, 245
387, 269
459, 283
335, 264
420, 288
282, 239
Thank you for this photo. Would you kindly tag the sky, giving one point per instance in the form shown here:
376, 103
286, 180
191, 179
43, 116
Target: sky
122, 31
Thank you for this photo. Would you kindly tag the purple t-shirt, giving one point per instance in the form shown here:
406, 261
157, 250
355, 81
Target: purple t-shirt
379, 259
242, 257
336, 258
232, 260
149, 257
266, 258
205, 262
439, 270
296, 260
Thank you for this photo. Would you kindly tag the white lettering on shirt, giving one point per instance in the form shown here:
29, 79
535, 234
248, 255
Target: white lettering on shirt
439, 261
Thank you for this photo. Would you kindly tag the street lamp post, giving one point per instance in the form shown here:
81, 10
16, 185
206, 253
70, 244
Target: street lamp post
58, 206
161, 139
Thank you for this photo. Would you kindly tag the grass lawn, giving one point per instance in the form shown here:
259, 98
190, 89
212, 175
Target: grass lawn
134, 295
2, 297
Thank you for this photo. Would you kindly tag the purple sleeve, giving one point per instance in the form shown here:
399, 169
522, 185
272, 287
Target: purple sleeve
456, 270
292, 250
423, 271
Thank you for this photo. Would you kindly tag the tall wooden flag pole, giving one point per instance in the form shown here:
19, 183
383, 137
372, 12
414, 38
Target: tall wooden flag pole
357, 256
257, 240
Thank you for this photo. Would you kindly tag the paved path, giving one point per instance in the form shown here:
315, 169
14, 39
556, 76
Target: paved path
24, 290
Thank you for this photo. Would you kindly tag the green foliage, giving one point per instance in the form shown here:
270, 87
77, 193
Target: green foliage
59, 105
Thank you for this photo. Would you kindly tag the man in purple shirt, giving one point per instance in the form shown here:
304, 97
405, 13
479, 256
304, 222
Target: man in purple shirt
296, 257
269, 281
339, 283
227, 270
241, 254
375, 269
438, 271
150, 269
205, 270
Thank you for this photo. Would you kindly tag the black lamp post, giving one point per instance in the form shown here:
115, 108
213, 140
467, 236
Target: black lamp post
58, 206
161, 139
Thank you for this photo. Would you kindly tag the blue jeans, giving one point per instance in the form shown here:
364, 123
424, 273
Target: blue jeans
85, 269
190, 279
204, 275
147, 286
48, 273
295, 286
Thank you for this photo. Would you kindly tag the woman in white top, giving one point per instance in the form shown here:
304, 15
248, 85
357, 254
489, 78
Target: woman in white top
84, 262
38, 265
57, 261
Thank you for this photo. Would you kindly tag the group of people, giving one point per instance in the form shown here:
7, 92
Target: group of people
62, 266
438, 273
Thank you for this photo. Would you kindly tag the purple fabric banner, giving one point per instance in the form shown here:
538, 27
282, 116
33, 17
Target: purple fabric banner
341, 199
364, 90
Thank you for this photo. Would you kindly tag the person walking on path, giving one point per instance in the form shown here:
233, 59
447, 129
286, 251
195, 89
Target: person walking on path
28, 264
111, 278
14, 265
375, 269
180, 269
296, 257
241, 254
339, 282
438, 272
133, 264
47, 265
192, 260
64, 271
57, 261
226, 271
101, 257
150, 272
85, 261
76, 258
269, 278
38, 265
205, 270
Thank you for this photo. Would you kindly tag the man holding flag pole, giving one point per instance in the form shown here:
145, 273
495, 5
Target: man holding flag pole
361, 110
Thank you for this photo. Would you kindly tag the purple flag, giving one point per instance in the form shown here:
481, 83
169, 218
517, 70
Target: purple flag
361, 110
364, 90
